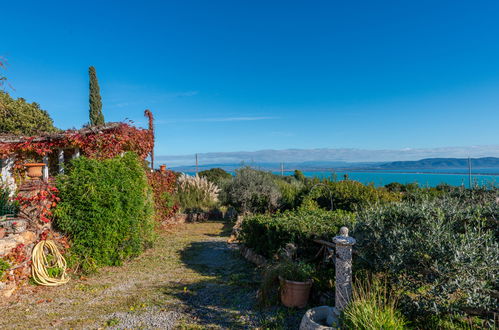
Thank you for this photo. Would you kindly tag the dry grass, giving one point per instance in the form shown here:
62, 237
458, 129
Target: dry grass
191, 279
136, 285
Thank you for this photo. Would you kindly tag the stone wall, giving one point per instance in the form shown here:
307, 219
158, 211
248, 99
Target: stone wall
19, 235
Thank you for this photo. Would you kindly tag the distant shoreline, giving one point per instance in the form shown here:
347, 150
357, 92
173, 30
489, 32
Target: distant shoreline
391, 171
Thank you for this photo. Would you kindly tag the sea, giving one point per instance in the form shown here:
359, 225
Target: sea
488, 177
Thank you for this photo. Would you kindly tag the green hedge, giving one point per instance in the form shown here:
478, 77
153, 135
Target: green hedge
267, 233
106, 209
442, 253
349, 195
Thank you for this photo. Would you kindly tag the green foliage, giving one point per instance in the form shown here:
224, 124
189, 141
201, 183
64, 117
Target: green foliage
22, 118
298, 175
253, 191
7, 206
216, 175
96, 116
106, 209
348, 195
266, 234
373, 307
4, 265
286, 269
292, 192
442, 252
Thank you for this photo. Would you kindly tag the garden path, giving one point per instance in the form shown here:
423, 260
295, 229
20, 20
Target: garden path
191, 279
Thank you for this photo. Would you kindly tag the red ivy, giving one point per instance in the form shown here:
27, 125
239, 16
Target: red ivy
163, 184
44, 200
106, 143
17, 255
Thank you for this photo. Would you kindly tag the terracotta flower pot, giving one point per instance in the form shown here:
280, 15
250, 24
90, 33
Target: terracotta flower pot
295, 294
34, 170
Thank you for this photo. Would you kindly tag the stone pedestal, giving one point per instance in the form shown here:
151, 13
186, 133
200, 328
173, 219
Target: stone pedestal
343, 265
324, 317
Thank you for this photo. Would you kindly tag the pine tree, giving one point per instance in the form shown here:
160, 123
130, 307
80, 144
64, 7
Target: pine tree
96, 116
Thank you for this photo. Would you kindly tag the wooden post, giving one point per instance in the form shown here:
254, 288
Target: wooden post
196, 163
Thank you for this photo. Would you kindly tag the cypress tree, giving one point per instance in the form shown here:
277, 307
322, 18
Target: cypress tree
96, 116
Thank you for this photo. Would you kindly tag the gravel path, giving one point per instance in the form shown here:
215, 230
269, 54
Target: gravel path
191, 279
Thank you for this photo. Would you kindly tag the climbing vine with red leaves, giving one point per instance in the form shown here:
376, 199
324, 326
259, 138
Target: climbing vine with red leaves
38, 204
99, 142
163, 186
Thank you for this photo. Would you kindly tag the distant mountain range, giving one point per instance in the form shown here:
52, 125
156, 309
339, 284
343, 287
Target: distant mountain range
423, 164
442, 163
328, 157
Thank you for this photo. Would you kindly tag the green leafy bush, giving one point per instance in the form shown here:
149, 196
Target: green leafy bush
373, 307
348, 195
267, 233
443, 253
253, 191
292, 192
217, 176
20, 117
287, 269
7, 206
106, 209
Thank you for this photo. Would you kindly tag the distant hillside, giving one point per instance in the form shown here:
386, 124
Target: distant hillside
311, 166
441, 163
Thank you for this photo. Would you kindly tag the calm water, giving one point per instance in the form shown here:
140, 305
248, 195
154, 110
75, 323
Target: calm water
455, 177
423, 179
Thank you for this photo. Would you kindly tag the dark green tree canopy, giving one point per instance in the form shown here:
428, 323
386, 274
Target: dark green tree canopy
22, 118
216, 176
96, 116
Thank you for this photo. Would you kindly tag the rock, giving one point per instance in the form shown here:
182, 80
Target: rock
9, 290
318, 318
8, 243
28, 237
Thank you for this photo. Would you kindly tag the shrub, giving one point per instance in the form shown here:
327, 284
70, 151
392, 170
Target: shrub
287, 269
291, 193
440, 252
22, 118
163, 187
266, 234
348, 195
196, 194
298, 175
106, 209
7, 205
253, 191
217, 176
373, 307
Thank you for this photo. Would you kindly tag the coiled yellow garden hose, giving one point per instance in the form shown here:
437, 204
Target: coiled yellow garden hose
40, 264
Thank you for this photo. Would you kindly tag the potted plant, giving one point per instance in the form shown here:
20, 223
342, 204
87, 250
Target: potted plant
34, 169
295, 279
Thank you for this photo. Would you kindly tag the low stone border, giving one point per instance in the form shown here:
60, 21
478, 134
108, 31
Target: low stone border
252, 256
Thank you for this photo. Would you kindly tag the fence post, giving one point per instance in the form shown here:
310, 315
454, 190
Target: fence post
343, 265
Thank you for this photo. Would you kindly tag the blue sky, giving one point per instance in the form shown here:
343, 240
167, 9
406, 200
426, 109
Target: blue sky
225, 76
